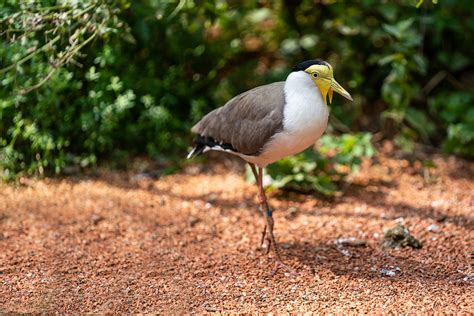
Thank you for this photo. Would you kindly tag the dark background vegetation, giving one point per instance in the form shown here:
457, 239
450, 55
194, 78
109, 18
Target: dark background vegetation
89, 81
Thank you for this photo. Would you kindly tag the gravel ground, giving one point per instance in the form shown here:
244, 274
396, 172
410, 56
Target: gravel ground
184, 243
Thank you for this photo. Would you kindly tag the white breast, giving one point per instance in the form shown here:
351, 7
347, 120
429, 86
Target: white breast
305, 119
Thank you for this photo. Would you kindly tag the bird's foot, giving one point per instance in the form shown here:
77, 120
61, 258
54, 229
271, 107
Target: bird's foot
267, 235
280, 265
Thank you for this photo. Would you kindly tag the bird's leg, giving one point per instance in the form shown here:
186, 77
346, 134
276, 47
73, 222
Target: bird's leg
264, 232
270, 223
268, 213
261, 200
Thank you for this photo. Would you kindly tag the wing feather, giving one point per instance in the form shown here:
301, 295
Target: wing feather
247, 121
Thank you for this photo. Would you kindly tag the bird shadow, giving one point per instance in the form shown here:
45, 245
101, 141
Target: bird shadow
353, 193
356, 194
371, 262
361, 194
393, 210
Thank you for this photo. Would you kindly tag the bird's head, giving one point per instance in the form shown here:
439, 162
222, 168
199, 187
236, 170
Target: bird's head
322, 75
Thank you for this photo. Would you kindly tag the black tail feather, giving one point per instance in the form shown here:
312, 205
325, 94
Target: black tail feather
201, 142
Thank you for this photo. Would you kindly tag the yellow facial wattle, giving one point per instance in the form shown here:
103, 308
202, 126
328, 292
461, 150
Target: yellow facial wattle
323, 77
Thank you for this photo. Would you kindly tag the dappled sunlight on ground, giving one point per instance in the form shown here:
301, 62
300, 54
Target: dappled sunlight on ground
189, 243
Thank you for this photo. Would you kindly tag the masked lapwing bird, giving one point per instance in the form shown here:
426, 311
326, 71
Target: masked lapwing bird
270, 122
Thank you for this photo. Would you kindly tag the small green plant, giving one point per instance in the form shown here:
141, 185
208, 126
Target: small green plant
320, 170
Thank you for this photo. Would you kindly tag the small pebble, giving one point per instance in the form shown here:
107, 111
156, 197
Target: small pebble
351, 241
399, 220
192, 221
433, 228
292, 212
389, 272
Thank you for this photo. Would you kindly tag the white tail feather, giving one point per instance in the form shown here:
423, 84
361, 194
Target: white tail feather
191, 153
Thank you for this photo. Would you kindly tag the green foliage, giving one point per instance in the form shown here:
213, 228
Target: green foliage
43, 108
82, 81
320, 170
456, 111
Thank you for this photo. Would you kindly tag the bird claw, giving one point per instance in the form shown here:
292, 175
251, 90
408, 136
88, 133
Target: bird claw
278, 262
280, 265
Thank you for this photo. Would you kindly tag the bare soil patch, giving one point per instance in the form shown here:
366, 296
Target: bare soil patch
189, 243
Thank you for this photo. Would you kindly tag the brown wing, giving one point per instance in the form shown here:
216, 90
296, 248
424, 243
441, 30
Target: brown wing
248, 120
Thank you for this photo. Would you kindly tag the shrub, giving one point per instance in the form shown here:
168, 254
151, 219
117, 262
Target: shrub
84, 81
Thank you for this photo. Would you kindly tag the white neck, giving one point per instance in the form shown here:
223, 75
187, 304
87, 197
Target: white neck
305, 117
305, 108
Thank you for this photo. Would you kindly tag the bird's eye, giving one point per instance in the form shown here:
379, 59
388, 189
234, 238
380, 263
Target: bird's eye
315, 75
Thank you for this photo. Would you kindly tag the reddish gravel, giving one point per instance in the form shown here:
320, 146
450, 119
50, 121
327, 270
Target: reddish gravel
188, 243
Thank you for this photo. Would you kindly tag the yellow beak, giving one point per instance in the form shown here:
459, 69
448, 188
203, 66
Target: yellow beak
337, 87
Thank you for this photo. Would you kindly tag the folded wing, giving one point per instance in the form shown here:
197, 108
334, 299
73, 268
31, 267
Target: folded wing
245, 123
